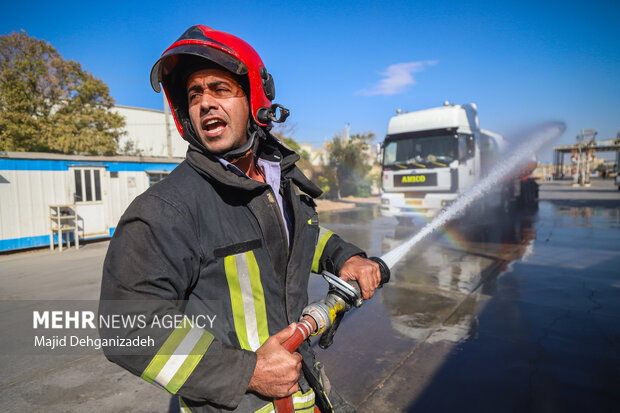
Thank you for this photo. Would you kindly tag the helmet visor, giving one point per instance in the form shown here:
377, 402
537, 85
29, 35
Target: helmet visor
168, 61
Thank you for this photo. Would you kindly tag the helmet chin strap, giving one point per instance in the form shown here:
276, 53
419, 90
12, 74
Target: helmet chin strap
255, 134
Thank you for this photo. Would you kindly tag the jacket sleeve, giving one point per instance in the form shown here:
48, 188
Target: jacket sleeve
154, 259
332, 252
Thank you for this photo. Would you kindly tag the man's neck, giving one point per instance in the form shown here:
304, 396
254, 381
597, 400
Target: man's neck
247, 164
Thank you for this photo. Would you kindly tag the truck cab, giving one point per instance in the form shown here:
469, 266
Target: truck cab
431, 156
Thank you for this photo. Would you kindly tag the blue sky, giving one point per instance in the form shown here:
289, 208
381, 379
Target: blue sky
336, 62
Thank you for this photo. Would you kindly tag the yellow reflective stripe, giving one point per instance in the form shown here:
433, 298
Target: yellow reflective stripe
236, 300
303, 401
270, 408
166, 350
248, 300
190, 363
259, 298
247, 297
178, 356
324, 235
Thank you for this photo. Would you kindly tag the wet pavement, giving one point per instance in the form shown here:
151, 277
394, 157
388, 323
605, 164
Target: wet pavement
516, 313
519, 313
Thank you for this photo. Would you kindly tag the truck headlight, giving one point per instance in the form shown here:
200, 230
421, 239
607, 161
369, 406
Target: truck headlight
446, 202
385, 201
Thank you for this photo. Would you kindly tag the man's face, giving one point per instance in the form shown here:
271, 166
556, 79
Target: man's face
218, 109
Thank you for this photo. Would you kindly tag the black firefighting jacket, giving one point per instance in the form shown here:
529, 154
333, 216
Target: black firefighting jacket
207, 241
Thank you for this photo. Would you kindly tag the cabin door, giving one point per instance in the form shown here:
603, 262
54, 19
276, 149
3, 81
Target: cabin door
88, 195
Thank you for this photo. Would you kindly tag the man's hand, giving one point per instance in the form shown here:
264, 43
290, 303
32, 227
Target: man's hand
277, 371
364, 271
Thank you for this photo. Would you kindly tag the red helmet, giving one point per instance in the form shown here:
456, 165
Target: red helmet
226, 50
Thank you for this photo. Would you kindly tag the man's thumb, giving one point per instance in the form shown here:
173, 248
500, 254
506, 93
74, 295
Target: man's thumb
283, 335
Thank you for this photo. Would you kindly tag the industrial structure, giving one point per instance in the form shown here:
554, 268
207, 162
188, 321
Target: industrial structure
582, 155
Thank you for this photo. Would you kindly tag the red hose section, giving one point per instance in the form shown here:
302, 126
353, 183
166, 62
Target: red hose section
302, 332
284, 405
305, 327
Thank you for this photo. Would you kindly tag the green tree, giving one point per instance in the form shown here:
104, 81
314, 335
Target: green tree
350, 163
284, 132
328, 181
48, 104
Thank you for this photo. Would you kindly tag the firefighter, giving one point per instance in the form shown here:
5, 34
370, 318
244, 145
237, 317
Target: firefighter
231, 232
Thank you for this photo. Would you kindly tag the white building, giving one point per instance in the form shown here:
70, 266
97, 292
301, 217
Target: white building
318, 157
146, 133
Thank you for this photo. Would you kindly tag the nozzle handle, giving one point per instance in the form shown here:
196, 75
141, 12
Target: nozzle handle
351, 290
385, 270
327, 338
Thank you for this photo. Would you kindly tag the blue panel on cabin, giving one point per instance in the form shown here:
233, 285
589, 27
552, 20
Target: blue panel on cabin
59, 165
32, 165
44, 240
135, 166
25, 242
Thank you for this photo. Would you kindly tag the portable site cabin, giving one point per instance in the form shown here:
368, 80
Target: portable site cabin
97, 189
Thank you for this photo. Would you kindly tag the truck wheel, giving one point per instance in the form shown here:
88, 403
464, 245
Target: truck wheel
404, 220
529, 194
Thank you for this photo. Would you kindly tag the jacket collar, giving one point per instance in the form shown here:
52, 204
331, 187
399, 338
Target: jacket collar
208, 165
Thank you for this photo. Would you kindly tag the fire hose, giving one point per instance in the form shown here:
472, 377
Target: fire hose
324, 317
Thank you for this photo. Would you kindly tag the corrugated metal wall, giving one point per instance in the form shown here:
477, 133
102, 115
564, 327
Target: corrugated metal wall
29, 186
24, 201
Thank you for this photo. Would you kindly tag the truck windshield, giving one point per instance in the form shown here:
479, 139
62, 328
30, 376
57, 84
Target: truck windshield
422, 152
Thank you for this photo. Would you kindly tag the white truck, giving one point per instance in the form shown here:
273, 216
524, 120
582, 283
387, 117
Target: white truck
431, 156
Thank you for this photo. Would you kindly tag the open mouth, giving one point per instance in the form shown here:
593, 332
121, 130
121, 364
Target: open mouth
214, 126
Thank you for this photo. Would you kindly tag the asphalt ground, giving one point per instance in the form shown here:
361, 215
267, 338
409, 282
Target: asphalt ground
506, 314
510, 313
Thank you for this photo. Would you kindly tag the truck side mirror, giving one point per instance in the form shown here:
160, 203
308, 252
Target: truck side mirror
471, 146
467, 147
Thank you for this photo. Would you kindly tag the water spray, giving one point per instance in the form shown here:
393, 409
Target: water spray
521, 153
324, 317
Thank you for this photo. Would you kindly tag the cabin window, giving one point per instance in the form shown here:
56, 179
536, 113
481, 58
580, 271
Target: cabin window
434, 151
155, 177
87, 185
